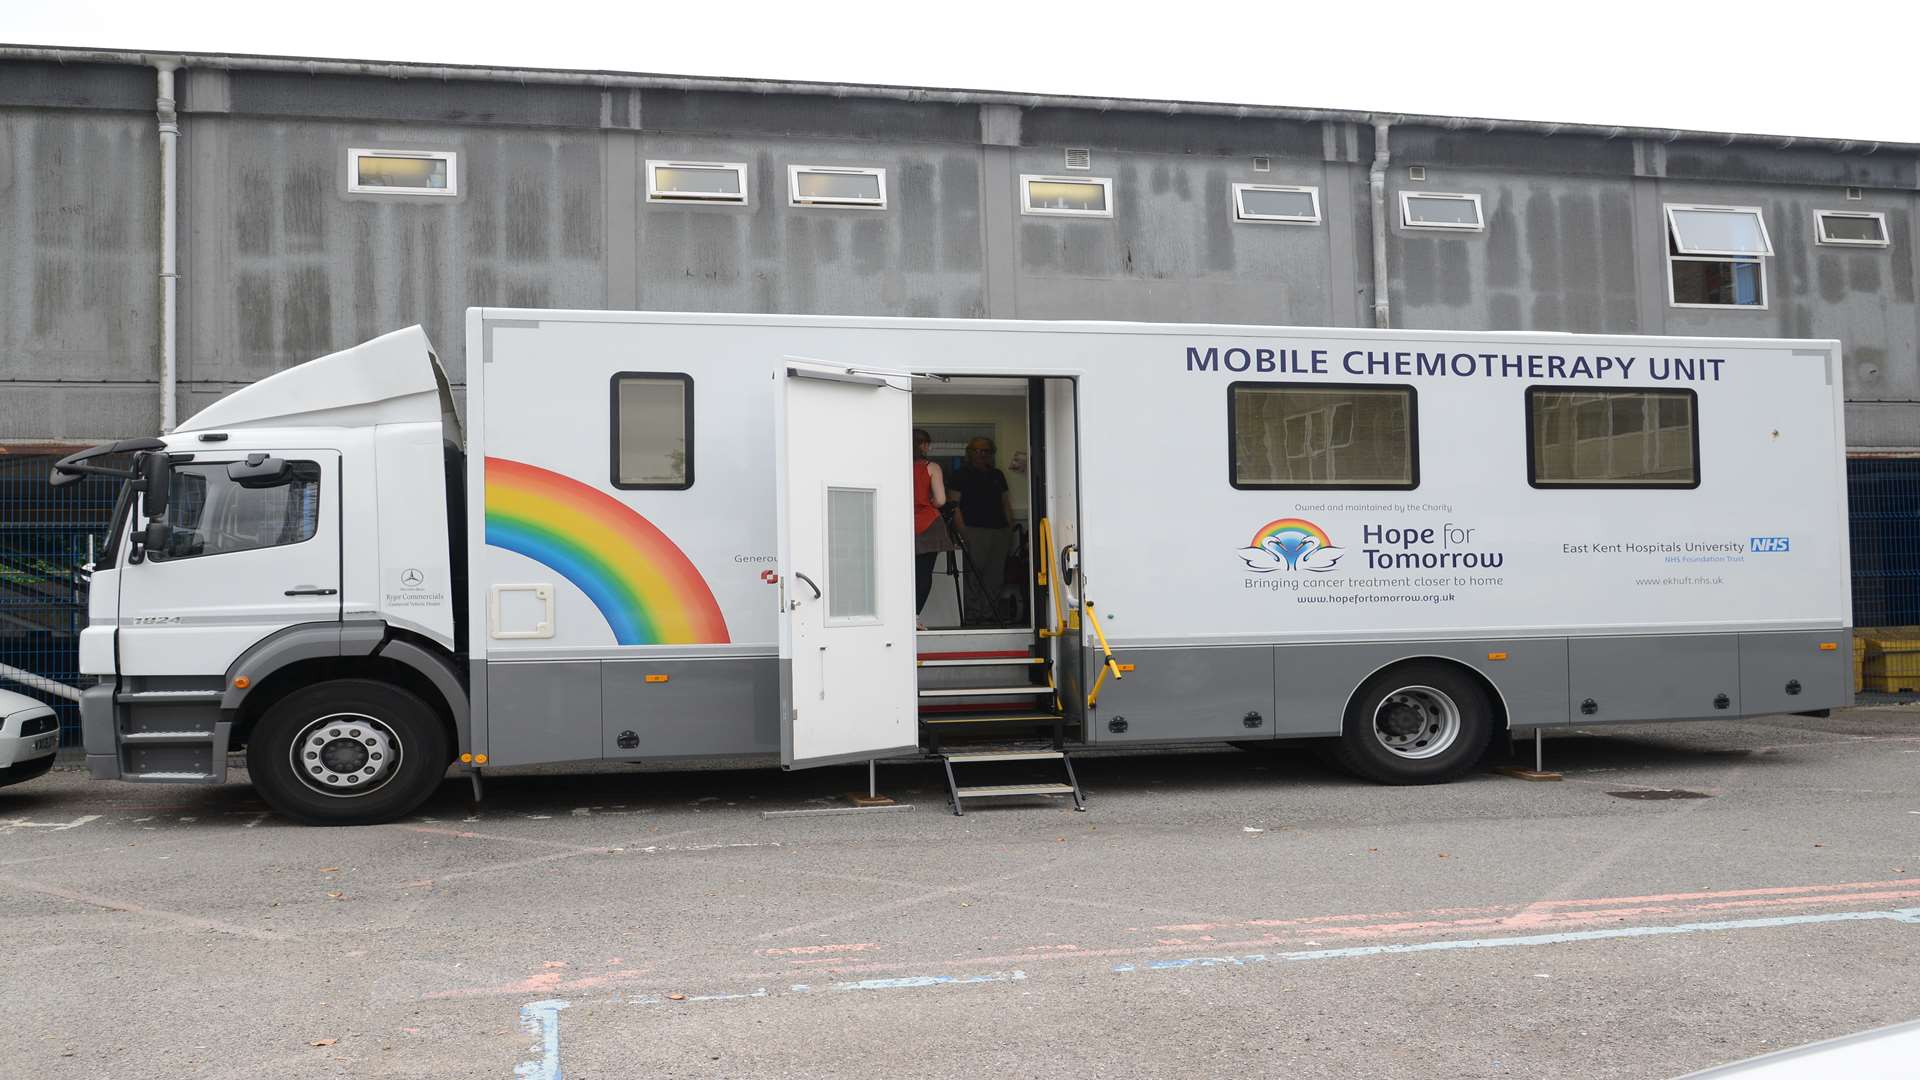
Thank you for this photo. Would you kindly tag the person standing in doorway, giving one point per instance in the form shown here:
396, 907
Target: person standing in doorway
929, 532
986, 513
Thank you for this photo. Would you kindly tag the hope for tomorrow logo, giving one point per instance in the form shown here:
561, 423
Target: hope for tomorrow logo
1291, 544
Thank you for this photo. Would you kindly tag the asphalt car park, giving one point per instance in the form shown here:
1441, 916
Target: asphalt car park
1689, 894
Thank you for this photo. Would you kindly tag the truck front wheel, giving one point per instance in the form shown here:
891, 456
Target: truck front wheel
348, 752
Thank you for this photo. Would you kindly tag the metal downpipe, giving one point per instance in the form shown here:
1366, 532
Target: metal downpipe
1377, 186
169, 123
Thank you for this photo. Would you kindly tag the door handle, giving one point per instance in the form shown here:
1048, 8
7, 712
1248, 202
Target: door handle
308, 590
810, 584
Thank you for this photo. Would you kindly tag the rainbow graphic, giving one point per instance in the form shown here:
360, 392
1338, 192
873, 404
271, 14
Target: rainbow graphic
643, 584
1291, 532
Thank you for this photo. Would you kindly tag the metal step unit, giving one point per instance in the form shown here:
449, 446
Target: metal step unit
171, 730
957, 794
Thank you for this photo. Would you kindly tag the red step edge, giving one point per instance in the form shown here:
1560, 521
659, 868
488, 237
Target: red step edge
997, 706
992, 654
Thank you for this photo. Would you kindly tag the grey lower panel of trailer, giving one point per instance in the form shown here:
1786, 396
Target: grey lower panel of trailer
573, 710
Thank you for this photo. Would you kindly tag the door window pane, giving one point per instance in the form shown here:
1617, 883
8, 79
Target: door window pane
851, 571
1620, 438
211, 514
1323, 437
652, 431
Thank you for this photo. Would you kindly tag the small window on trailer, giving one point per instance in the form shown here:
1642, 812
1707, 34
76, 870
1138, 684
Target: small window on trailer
652, 430
833, 185
1853, 228
1716, 256
403, 172
697, 181
1324, 436
1440, 210
1276, 203
1579, 437
852, 582
1067, 196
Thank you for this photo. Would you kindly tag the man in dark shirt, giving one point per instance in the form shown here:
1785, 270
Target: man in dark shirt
986, 513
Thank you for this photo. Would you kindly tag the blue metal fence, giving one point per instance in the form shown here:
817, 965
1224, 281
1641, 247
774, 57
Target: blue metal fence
1883, 499
44, 535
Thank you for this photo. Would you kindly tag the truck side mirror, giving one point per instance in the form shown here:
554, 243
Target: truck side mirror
157, 469
260, 471
158, 535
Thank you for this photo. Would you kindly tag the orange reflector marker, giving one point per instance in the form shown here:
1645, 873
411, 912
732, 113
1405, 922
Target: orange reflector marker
479, 759
1126, 667
1829, 646
466, 759
1496, 656
656, 678
241, 682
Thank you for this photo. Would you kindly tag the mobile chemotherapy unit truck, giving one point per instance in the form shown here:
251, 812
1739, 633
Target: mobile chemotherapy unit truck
673, 536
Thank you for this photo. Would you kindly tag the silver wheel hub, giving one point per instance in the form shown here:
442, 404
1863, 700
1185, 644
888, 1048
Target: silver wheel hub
345, 754
1417, 722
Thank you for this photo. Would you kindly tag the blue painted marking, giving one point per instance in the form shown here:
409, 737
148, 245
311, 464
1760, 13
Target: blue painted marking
928, 980
1902, 915
542, 1020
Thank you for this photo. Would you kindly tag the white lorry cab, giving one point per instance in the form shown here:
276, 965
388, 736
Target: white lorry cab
667, 536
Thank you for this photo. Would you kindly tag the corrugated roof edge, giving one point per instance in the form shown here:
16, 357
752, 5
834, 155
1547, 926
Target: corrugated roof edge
644, 81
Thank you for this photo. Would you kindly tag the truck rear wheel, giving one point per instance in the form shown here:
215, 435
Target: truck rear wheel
348, 752
1418, 723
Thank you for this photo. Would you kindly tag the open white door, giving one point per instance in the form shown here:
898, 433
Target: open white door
847, 685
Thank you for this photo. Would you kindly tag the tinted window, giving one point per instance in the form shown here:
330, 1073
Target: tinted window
1322, 436
1612, 438
652, 430
213, 515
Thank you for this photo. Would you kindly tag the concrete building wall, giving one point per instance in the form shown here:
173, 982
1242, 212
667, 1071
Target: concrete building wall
279, 262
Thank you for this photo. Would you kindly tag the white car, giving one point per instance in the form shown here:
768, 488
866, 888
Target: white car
29, 735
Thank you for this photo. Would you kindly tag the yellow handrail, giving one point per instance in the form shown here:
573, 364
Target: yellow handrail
1050, 577
1111, 665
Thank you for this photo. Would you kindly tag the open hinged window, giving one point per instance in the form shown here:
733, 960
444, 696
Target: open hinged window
1717, 256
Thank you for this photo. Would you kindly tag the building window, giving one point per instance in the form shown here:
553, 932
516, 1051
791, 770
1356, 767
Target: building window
828, 185
697, 181
1272, 202
1439, 210
1069, 196
403, 172
1582, 438
1716, 256
1325, 436
652, 430
1852, 228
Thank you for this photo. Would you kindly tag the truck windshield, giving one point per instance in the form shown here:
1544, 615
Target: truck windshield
211, 514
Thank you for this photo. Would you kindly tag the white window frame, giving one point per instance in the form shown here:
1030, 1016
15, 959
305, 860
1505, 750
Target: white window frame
1676, 254
1820, 228
1406, 211
794, 198
355, 154
1759, 218
655, 195
1240, 211
1026, 195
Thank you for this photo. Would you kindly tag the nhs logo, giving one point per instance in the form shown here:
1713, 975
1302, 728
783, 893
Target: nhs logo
1761, 544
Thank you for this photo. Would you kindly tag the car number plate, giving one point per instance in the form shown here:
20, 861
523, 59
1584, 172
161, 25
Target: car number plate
45, 742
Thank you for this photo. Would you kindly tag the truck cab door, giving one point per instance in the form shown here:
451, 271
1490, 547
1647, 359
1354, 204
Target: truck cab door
252, 550
845, 513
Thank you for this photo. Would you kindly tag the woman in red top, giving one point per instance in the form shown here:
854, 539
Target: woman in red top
929, 532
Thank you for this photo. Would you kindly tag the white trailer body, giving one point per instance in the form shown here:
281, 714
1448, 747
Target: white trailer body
1272, 524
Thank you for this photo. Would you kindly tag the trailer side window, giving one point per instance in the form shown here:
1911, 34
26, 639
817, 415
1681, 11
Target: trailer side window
652, 430
1325, 436
1612, 438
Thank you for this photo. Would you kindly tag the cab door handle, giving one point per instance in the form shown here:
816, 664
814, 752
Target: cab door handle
308, 590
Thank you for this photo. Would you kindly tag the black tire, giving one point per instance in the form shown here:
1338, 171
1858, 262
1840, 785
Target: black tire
1437, 715
348, 787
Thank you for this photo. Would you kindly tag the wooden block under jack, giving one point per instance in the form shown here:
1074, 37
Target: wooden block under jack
860, 799
1521, 772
